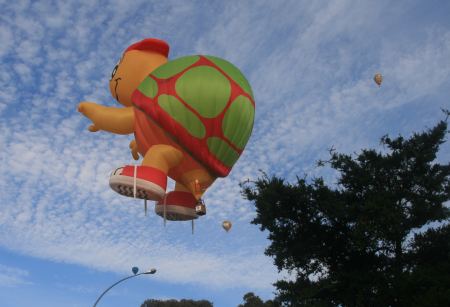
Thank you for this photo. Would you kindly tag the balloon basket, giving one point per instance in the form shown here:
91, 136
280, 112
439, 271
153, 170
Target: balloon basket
200, 208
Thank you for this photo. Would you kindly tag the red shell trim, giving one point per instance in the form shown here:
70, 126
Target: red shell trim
151, 44
197, 148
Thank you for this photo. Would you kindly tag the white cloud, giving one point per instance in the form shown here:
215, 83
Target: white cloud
13, 277
6, 38
23, 71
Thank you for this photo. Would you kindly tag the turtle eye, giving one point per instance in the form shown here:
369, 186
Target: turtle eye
114, 71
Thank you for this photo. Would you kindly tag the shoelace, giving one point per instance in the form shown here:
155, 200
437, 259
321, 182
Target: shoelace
164, 206
135, 189
134, 181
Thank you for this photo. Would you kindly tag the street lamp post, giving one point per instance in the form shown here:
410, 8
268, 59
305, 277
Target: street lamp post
151, 271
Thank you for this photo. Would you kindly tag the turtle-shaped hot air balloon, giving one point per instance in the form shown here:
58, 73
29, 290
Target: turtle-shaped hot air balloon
191, 118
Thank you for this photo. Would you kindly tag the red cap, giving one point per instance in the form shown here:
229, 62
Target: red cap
151, 44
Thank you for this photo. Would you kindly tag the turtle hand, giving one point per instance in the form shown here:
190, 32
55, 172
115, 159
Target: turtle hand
134, 150
93, 128
89, 109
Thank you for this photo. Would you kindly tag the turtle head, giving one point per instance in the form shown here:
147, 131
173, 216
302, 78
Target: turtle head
137, 62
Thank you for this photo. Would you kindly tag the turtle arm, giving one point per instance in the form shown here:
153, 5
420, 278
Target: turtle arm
111, 119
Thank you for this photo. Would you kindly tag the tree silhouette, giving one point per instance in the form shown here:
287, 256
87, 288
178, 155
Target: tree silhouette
361, 242
252, 300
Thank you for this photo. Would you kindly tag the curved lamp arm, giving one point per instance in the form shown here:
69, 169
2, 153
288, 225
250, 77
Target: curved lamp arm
152, 271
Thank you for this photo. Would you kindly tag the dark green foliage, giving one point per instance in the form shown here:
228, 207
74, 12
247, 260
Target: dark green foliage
428, 281
251, 300
175, 303
353, 244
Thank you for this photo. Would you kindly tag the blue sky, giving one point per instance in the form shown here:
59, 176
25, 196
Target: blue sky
65, 235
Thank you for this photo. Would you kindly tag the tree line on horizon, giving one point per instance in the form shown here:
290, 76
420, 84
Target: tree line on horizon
250, 300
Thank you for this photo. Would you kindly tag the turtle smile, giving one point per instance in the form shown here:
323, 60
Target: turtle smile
115, 88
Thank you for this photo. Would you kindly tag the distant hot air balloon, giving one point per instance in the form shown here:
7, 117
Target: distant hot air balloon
226, 225
135, 269
378, 78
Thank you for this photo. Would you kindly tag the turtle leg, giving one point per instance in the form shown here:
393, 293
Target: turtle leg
180, 187
158, 160
148, 181
197, 181
162, 157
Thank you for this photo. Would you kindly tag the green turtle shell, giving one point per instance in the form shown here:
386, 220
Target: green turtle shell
206, 105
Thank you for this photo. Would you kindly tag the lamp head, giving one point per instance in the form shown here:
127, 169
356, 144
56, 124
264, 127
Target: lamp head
151, 271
